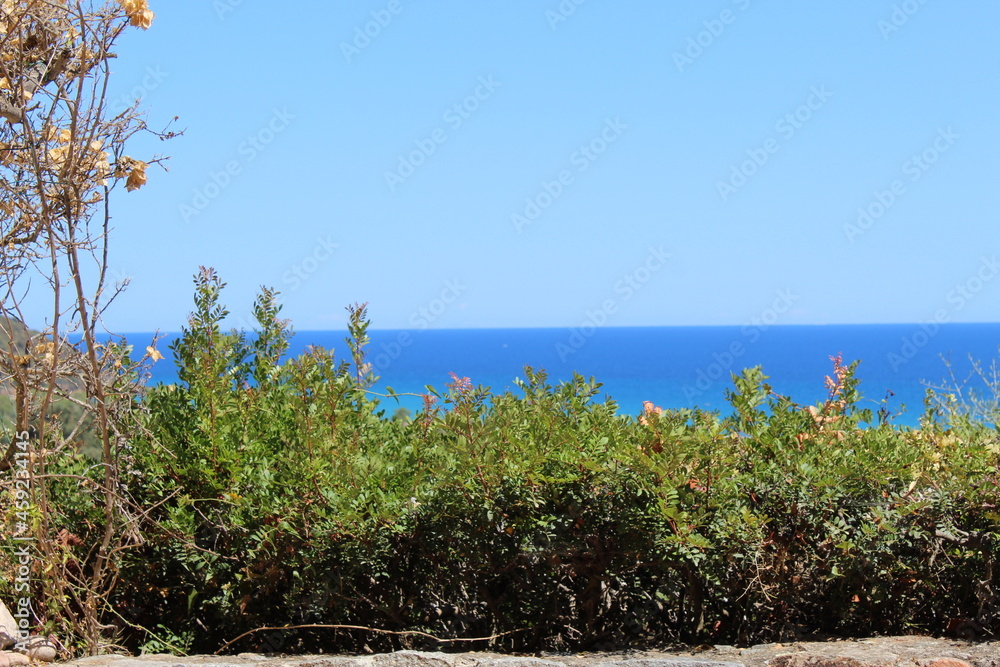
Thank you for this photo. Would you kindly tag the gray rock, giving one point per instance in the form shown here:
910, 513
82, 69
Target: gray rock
9, 659
41, 649
334, 661
413, 659
848, 656
8, 627
166, 660
910, 651
427, 659
517, 661
668, 662
943, 662
94, 660
45, 653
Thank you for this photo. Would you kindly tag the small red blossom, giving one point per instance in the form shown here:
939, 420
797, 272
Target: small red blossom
836, 386
460, 385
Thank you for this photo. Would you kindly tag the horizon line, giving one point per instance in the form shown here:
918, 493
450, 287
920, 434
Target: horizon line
570, 328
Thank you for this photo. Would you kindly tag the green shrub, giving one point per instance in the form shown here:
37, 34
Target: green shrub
279, 493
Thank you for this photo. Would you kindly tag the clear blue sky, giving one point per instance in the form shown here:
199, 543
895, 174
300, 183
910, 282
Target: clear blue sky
729, 147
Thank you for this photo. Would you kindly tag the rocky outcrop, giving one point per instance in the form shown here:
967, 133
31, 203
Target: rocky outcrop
8, 627
37, 649
8, 659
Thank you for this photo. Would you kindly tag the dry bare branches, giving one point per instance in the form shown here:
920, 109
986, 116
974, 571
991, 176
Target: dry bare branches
61, 156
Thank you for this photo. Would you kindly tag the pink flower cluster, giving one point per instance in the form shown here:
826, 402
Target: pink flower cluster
460, 385
648, 410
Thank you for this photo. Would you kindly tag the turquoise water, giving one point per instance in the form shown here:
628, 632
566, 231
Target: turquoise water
671, 366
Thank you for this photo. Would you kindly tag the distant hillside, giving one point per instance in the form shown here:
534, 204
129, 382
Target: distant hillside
14, 327
66, 413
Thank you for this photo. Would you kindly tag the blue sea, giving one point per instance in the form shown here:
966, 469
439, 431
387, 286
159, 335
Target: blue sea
673, 367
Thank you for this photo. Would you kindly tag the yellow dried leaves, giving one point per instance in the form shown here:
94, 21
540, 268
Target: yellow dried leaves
101, 167
136, 170
46, 349
139, 13
60, 134
136, 178
57, 155
90, 157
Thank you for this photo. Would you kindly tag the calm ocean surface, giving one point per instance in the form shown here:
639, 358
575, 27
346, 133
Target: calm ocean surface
671, 366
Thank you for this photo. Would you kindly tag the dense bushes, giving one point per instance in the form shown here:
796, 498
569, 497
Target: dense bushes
279, 493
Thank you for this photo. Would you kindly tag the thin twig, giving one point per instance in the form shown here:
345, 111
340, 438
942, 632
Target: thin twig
361, 627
